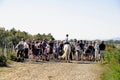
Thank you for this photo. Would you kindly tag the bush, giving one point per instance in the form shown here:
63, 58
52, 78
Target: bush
3, 60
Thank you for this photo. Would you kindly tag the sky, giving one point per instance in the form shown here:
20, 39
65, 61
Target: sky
81, 19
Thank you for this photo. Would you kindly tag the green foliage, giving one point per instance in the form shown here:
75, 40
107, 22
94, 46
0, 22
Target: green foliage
112, 72
112, 57
13, 36
3, 60
43, 36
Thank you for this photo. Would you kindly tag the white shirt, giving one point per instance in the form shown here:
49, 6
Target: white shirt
26, 45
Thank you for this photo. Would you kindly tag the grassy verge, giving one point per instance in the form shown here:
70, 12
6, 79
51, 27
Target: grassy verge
112, 68
111, 72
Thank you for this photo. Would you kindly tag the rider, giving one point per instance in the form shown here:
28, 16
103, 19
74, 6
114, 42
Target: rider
66, 39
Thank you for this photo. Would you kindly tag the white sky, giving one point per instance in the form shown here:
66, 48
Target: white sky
81, 19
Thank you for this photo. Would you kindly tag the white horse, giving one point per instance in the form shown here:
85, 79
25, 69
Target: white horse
67, 51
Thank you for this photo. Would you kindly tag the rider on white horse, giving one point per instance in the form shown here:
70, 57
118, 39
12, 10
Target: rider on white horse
67, 50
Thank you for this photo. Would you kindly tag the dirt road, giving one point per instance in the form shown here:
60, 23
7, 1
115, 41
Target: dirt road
51, 71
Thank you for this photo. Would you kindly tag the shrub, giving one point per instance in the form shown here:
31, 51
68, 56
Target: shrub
3, 60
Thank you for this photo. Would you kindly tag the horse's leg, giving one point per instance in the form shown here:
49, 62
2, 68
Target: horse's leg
69, 58
66, 57
69, 53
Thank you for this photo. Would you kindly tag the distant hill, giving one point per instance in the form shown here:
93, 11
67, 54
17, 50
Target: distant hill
116, 38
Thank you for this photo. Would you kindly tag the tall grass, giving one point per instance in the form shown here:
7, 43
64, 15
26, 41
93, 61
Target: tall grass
112, 68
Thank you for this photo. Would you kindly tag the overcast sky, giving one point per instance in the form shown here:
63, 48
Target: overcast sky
81, 19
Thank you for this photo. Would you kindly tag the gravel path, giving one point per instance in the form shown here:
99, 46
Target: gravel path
51, 71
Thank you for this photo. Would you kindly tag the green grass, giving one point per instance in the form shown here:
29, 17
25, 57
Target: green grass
112, 72
112, 68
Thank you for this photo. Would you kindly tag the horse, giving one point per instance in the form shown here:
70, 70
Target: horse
66, 54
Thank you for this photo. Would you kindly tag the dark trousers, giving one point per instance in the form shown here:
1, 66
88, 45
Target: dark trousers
20, 53
71, 56
26, 52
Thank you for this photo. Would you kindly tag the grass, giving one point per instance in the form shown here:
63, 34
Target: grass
112, 68
111, 72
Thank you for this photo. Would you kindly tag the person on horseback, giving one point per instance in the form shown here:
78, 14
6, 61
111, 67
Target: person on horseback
66, 50
66, 39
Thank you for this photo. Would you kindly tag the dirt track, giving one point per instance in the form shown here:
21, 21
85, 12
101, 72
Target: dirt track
51, 71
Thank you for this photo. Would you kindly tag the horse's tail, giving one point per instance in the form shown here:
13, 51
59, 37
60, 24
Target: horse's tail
66, 52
